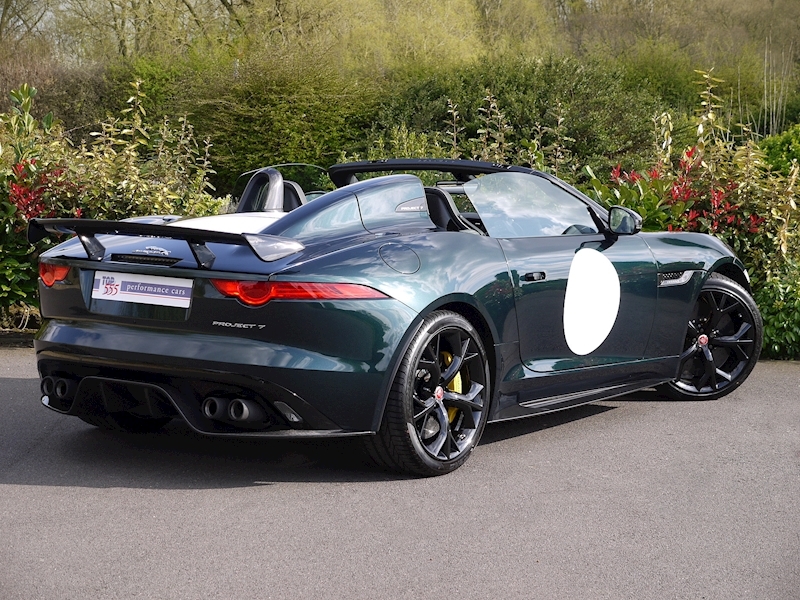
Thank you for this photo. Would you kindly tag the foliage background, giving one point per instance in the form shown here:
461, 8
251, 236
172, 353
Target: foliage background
601, 92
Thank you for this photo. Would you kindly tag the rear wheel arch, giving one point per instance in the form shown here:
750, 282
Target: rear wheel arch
464, 309
477, 320
430, 423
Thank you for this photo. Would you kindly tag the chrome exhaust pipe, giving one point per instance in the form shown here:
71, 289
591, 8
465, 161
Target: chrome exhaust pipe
215, 408
64, 389
48, 386
245, 410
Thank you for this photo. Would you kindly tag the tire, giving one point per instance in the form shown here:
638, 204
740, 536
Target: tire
722, 344
126, 422
439, 401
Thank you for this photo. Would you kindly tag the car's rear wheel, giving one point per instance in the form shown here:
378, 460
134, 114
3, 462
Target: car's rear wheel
439, 402
127, 422
723, 341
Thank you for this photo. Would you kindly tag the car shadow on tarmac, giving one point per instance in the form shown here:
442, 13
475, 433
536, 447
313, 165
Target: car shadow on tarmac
43, 448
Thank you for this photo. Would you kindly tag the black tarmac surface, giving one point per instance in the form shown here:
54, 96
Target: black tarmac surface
639, 497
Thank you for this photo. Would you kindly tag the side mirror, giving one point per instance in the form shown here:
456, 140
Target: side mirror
624, 221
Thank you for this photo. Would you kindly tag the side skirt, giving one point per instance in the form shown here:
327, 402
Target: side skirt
535, 393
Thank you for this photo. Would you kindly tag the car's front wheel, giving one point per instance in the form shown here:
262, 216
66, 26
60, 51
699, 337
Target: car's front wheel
723, 341
439, 402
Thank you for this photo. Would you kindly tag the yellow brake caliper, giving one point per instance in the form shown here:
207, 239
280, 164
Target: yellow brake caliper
453, 386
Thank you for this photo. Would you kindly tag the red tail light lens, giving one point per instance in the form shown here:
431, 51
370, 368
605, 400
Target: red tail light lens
52, 273
258, 293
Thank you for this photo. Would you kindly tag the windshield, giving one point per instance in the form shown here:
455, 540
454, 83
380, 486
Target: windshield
513, 205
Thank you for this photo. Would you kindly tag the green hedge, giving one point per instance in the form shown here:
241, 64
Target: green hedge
129, 168
600, 120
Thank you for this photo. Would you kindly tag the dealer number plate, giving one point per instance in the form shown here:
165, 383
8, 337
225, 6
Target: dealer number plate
142, 289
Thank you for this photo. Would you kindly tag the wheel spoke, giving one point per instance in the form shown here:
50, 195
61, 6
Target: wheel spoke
466, 401
429, 356
735, 342
715, 314
425, 411
710, 375
736, 338
443, 436
447, 448
721, 308
455, 366
690, 352
726, 376
694, 330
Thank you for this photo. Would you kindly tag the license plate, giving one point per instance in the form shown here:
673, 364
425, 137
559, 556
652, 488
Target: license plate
142, 289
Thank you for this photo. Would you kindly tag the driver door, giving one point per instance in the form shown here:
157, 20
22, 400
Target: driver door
582, 298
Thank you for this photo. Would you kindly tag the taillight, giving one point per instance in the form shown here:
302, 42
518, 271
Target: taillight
258, 293
52, 273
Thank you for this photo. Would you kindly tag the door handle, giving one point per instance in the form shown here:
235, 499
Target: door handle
535, 276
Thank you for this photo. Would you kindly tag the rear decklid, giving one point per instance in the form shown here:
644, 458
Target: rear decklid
138, 270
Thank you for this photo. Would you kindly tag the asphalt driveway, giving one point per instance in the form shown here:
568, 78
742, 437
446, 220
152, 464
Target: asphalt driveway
639, 497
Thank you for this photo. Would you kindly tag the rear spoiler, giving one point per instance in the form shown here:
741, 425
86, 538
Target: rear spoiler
266, 247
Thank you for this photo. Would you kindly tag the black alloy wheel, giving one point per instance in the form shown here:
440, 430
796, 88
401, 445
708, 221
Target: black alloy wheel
438, 404
723, 341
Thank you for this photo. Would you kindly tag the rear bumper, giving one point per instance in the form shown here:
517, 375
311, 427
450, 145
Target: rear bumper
113, 367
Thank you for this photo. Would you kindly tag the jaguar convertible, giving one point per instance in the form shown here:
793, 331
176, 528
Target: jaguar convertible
411, 304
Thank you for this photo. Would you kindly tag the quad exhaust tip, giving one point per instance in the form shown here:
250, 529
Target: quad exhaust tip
237, 410
58, 393
215, 408
58, 387
65, 388
48, 386
241, 410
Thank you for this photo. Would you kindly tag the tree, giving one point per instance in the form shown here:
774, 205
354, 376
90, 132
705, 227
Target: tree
20, 18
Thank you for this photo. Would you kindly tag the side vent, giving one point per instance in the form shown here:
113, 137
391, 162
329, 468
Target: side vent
674, 278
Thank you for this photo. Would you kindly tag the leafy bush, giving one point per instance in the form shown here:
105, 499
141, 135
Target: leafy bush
263, 112
29, 174
724, 186
560, 101
131, 168
783, 149
778, 298
128, 169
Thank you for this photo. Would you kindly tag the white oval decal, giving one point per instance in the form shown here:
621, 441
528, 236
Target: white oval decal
591, 302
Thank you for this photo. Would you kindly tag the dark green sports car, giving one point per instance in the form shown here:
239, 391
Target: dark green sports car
413, 303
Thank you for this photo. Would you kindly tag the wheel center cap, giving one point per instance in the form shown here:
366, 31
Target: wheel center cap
702, 340
438, 393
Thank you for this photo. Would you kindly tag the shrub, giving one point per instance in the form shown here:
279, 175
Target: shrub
724, 186
30, 175
778, 298
560, 101
267, 111
128, 169
131, 168
782, 149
